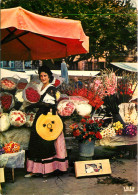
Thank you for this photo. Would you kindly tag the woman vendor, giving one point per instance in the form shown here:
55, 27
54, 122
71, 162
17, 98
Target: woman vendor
45, 156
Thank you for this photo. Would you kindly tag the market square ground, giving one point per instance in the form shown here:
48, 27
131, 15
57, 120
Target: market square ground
124, 173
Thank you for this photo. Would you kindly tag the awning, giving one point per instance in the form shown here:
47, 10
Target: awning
70, 73
8, 73
133, 67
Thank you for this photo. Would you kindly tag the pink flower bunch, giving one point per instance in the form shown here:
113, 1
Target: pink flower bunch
110, 84
97, 87
105, 85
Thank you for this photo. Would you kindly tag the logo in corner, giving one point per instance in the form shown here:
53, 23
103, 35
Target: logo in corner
129, 189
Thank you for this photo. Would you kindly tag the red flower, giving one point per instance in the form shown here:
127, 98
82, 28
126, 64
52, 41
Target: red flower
91, 133
94, 99
57, 83
98, 135
76, 133
83, 120
84, 129
100, 124
91, 121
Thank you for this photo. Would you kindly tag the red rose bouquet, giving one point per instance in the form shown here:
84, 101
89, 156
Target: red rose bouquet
7, 101
88, 129
31, 93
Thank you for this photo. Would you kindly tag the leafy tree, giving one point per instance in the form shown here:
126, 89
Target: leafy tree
110, 24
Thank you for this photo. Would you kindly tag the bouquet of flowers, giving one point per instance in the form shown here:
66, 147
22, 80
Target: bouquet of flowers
17, 118
11, 147
6, 101
118, 128
8, 83
94, 99
125, 88
114, 91
105, 85
88, 129
108, 131
109, 89
120, 92
31, 93
130, 130
65, 108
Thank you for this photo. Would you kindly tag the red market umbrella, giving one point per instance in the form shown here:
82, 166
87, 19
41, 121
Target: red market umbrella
29, 36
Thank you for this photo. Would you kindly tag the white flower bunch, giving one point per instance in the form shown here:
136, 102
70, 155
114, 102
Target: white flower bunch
108, 131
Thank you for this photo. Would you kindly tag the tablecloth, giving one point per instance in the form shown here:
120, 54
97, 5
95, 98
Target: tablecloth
13, 160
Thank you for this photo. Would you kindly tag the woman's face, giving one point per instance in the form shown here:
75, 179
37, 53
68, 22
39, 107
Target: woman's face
44, 78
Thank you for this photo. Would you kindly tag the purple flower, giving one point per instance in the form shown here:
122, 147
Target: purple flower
130, 130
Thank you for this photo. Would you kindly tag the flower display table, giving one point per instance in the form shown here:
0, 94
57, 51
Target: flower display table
22, 136
13, 160
117, 141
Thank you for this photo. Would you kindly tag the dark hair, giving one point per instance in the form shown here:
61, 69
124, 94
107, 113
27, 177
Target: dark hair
46, 70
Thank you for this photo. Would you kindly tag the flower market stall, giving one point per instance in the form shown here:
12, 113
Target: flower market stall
100, 113
110, 98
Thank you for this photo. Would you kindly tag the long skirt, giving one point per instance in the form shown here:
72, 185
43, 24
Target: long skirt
49, 165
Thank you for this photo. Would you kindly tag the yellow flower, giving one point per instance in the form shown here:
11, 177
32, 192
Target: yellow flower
118, 123
57, 95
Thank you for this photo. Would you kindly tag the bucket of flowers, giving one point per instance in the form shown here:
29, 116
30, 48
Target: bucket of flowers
86, 132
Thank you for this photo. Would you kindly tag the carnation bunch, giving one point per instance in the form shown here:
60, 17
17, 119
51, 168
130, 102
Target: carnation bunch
11, 147
87, 130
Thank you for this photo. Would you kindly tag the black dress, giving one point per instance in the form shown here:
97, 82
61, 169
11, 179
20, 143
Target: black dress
38, 147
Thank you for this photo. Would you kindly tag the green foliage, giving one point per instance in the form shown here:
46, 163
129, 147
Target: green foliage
110, 24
